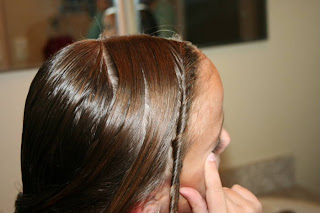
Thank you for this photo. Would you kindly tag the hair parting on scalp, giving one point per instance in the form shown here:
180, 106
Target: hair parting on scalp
103, 120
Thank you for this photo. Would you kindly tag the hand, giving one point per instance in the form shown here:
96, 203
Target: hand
220, 199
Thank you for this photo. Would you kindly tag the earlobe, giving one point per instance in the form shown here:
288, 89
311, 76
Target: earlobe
150, 207
158, 203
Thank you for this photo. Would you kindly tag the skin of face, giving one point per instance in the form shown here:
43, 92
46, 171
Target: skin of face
204, 129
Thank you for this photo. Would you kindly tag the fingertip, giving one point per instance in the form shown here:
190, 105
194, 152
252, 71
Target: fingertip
240, 189
187, 191
190, 193
210, 168
183, 191
211, 157
195, 200
235, 186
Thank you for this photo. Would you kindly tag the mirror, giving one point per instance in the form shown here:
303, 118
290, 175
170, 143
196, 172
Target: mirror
35, 29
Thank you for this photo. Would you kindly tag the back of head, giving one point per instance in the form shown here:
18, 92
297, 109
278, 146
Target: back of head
104, 125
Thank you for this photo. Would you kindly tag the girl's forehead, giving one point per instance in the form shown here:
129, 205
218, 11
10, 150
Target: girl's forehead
209, 89
206, 67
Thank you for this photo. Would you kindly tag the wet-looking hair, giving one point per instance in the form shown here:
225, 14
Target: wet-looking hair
104, 121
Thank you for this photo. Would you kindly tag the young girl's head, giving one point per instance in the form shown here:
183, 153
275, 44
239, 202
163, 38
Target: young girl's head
118, 124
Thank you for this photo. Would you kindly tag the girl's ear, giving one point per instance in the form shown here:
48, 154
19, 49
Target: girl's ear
159, 203
148, 208
151, 208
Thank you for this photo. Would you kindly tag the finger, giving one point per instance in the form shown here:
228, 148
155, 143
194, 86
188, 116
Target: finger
233, 197
246, 194
214, 192
195, 200
236, 203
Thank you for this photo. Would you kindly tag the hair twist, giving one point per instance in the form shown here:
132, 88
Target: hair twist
186, 75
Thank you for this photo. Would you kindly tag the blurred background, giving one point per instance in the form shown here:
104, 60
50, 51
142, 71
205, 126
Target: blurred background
267, 53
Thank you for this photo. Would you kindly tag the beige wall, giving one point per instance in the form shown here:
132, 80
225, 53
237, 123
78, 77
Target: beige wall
29, 23
272, 98
13, 91
272, 91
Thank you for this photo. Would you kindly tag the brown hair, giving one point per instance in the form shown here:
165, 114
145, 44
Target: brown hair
100, 121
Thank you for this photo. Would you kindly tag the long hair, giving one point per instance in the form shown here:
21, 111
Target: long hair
104, 121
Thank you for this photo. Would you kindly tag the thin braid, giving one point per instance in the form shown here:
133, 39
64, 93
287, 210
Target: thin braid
186, 76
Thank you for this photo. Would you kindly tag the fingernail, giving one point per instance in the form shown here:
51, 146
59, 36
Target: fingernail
211, 157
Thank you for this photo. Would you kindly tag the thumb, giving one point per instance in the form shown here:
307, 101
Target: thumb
195, 200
